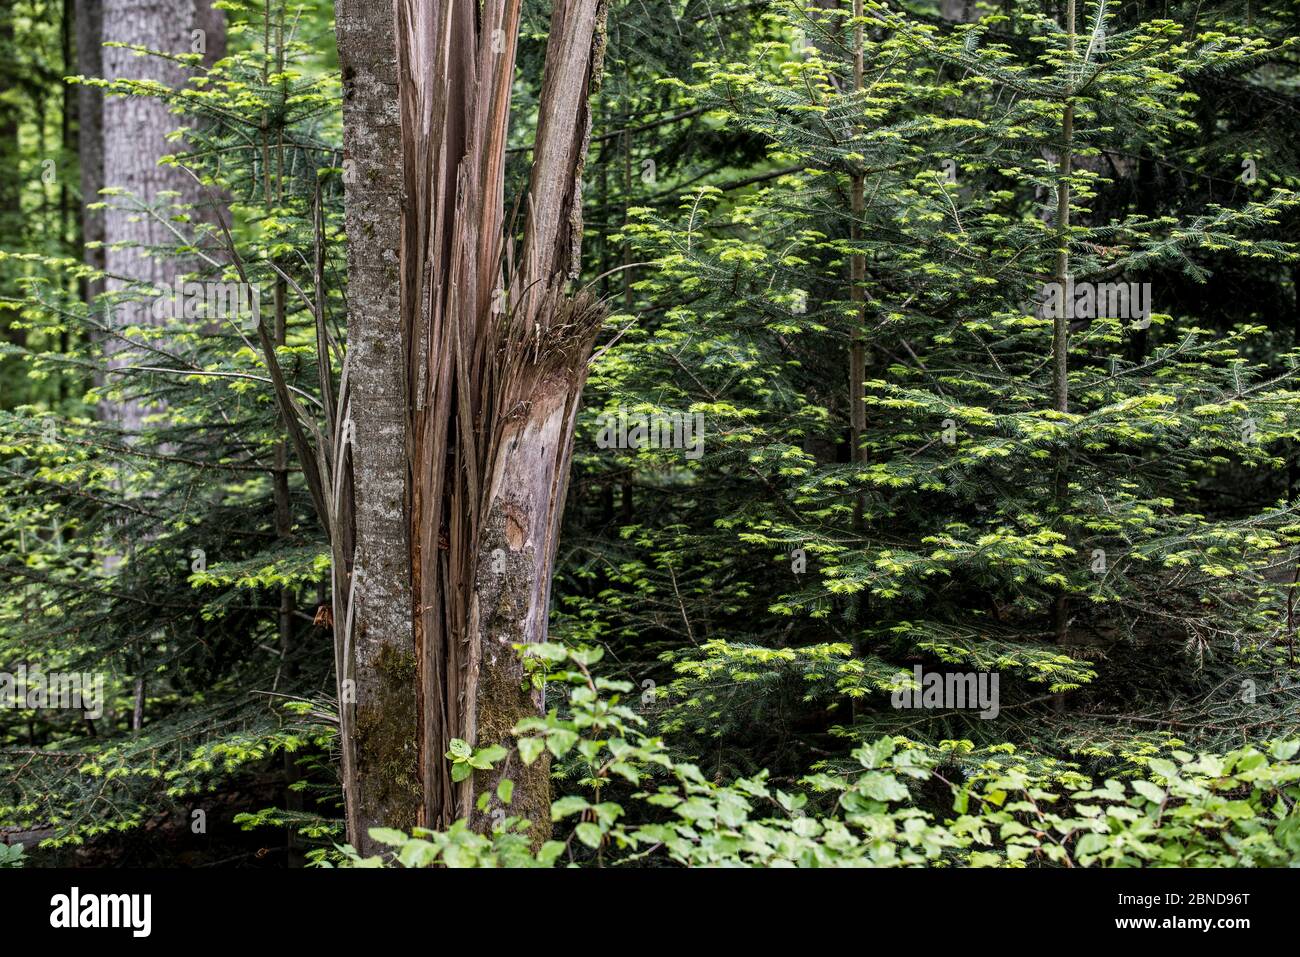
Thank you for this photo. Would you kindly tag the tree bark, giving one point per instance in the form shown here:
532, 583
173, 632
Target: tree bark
958, 11
466, 363
134, 132
89, 16
372, 593
1061, 328
12, 226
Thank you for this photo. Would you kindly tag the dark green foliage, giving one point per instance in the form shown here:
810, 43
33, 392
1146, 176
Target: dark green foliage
1174, 539
153, 558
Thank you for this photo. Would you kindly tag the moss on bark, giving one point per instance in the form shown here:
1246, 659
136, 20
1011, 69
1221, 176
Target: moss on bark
387, 748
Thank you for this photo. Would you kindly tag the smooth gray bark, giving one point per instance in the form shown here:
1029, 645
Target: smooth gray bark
11, 214
134, 138
89, 16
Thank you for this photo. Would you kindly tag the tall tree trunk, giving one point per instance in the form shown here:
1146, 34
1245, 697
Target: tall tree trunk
466, 363
375, 660
89, 16
958, 11
134, 138
11, 214
1061, 325
858, 344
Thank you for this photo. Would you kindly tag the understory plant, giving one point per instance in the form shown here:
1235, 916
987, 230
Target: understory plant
628, 801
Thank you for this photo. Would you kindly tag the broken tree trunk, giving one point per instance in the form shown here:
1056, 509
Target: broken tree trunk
466, 365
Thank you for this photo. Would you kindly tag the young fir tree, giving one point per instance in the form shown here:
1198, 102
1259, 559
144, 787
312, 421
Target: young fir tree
183, 560
1034, 495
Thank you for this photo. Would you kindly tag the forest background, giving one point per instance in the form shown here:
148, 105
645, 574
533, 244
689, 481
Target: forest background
824, 237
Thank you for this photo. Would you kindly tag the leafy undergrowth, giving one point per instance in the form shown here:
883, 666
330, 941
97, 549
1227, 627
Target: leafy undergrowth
1236, 809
